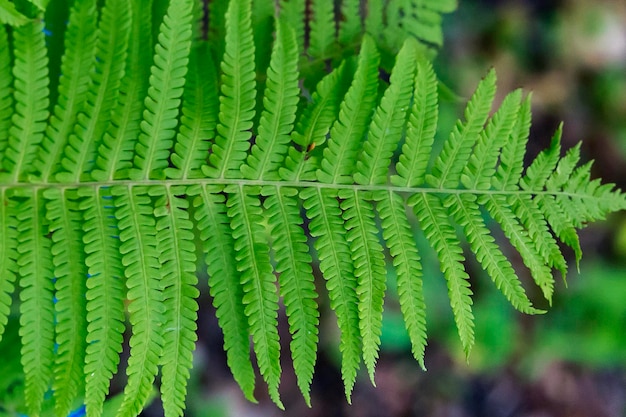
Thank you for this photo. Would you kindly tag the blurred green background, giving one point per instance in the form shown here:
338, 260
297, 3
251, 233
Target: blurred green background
569, 362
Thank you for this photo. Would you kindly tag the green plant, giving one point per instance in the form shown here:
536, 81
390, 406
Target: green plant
104, 195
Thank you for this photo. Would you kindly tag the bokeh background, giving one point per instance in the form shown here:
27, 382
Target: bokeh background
570, 362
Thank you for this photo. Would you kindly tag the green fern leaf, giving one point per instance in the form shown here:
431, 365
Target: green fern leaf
140, 137
498, 207
512, 155
560, 223
369, 269
113, 36
36, 309
258, 281
139, 255
167, 80
178, 259
339, 160
6, 100
419, 19
8, 256
280, 103
588, 199
31, 99
323, 29
399, 239
333, 252
10, 16
374, 19
313, 126
532, 218
388, 121
457, 150
76, 64
481, 166
564, 169
71, 326
467, 214
435, 223
40, 4
350, 22
542, 167
116, 151
238, 101
297, 288
294, 12
199, 116
420, 130
224, 283
105, 295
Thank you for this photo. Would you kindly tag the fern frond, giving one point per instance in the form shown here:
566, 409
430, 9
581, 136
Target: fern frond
10, 16
178, 259
456, 151
544, 164
79, 155
36, 273
374, 18
481, 166
40, 4
199, 116
339, 160
511, 163
30, 71
167, 81
116, 151
76, 65
313, 126
71, 325
237, 104
560, 223
293, 264
105, 295
139, 256
224, 284
294, 12
533, 220
388, 121
467, 214
350, 21
419, 19
564, 169
498, 207
6, 100
140, 137
8, 256
369, 269
324, 213
279, 111
398, 236
258, 281
590, 199
323, 29
433, 218
420, 130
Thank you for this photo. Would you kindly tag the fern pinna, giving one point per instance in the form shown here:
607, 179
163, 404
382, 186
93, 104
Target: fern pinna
111, 180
